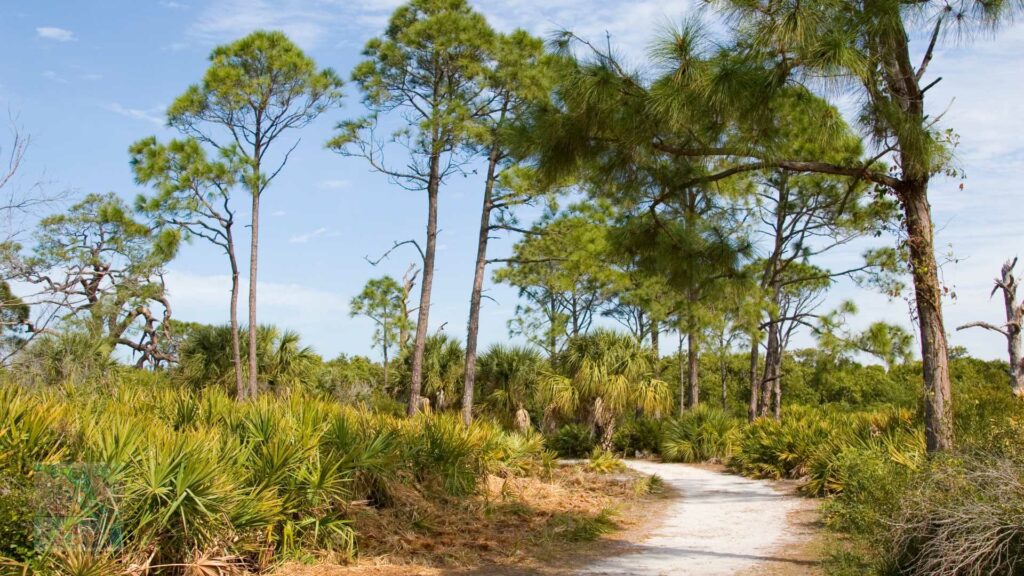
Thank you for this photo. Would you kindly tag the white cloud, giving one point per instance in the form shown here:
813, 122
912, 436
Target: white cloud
334, 184
207, 296
278, 213
304, 22
173, 5
92, 77
631, 25
154, 115
51, 75
56, 34
303, 238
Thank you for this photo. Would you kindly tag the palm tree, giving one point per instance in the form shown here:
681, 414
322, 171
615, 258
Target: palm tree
508, 376
206, 358
443, 365
600, 377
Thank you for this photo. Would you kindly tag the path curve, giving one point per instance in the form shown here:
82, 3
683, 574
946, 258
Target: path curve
721, 525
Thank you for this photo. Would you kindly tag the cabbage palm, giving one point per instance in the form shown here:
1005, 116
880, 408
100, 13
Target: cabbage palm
508, 375
206, 358
602, 375
442, 368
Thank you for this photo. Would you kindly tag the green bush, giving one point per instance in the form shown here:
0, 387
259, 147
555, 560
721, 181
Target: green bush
638, 436
572, 441
604, 462
16, 516
700, 435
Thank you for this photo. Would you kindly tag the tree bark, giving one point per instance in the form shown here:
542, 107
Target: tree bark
253, 266
692, 380
682, 377
1014, 318
771, 369
423, 317
236, 344
655, 345
384, 346
721, 374
777, 386
938, 406
656, 348
473, 326
754, 389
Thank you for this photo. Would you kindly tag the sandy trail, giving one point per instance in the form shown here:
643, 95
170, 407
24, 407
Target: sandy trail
721, 525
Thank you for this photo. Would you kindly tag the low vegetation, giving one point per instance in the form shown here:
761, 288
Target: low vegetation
145, 472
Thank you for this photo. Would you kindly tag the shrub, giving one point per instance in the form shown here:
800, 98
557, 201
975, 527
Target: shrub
581, 528
962, 518
572, 441
604, 462
16, 515
700, 435
638, 436
195, 473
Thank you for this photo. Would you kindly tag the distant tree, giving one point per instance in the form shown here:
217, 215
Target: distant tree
382, 302
1007, 284
429, 69
19, 205
889, 343
508, 381
560, 270
14, 320
443, 363
193, 194
600, 377
255, 90
103, 272
282, 360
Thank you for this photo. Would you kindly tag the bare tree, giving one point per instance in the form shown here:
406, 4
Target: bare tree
19, 204
1007, 283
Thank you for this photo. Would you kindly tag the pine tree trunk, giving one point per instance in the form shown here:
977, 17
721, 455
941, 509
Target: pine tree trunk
423, 317
656, 348
721, 375
253, 266
236, 345
682, 377
692, 380
473, 326
938, 406
754, 381
777, 387
767, 385
655, 329
384, 346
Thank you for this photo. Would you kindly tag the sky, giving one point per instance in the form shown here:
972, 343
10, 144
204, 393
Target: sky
86, 79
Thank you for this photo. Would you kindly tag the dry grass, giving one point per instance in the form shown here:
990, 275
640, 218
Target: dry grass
515, 526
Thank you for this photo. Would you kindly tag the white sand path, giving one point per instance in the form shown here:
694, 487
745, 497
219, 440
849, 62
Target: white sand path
720, 525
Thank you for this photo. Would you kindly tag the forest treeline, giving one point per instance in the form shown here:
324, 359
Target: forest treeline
692, 201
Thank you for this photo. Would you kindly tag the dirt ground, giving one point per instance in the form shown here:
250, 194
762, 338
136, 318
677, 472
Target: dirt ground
522, 526
530, 527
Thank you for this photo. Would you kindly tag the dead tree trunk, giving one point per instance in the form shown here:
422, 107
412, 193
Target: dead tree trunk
1007, 283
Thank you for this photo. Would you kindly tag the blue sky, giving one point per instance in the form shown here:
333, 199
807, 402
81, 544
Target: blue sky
86, 79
